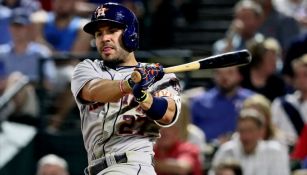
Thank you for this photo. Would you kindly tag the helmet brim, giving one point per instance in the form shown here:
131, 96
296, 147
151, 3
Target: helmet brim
92, 26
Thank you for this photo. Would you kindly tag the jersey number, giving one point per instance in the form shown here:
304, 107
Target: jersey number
132, 125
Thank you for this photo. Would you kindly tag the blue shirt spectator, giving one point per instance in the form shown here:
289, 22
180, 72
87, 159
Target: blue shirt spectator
62, 39
29, 5
27, 63
20, 59
61, 29
6, 8
22, 54
215, 113
5, 14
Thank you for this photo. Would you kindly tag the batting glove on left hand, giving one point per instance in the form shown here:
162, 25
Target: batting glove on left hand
150, 74
155, 70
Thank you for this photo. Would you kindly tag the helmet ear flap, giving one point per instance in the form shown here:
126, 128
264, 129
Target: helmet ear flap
131, 38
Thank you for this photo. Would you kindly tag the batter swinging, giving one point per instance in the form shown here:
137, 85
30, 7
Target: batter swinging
121, 119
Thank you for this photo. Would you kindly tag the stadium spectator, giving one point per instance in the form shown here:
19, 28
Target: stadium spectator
21, 58
23, 53
263, 105
29, 5
261, 74
296, 49
188, 131
277, 25
176, 156
6, 7
289, 112
52, 165
296, 9
257, 157
244, 27
206, 111
60, 29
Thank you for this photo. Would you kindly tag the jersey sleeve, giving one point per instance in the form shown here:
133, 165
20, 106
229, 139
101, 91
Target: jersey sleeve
83, 73
169, 87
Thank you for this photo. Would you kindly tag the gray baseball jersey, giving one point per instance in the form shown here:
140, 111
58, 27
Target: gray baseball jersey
120, 126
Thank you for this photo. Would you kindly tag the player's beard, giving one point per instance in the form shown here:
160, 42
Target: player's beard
113, 63
114, 60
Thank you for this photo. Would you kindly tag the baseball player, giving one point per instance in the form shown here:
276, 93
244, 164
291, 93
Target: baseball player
121, 119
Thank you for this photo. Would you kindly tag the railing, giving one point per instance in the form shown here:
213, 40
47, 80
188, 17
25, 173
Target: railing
9, 94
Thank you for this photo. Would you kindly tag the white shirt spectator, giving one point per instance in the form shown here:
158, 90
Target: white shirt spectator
280, 117
295, 9
269, 158
290, 8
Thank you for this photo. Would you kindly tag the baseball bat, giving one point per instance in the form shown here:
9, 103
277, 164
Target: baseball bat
236, 58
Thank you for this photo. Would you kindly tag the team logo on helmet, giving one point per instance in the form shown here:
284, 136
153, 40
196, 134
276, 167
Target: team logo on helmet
100, 11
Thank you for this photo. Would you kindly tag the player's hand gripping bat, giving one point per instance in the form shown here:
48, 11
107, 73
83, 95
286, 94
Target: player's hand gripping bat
236, 58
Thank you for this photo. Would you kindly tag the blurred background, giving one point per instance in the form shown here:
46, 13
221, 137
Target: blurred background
248, 120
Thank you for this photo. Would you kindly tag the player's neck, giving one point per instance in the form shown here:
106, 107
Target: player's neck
130, 60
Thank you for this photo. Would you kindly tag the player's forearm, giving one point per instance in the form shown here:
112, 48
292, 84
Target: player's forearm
104, 91
169, 113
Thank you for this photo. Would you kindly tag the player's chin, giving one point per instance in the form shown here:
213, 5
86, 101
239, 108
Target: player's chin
110, 57
107, 56
112, 62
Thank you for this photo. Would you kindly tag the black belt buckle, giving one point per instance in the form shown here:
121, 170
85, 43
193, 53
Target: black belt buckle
102, 164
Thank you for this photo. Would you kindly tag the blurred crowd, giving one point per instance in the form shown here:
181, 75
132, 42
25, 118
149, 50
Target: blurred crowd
252, 121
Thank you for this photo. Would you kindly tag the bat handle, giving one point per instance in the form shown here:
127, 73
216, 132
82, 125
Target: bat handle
136, 77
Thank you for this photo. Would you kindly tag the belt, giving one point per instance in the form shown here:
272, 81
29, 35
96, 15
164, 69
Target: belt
106, 162
116, 158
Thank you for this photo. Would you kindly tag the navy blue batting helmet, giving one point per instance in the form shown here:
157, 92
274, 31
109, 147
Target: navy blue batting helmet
116, 13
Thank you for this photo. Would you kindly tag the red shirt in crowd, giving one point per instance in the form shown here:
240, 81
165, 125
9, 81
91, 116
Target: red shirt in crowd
300, 149
182, 151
